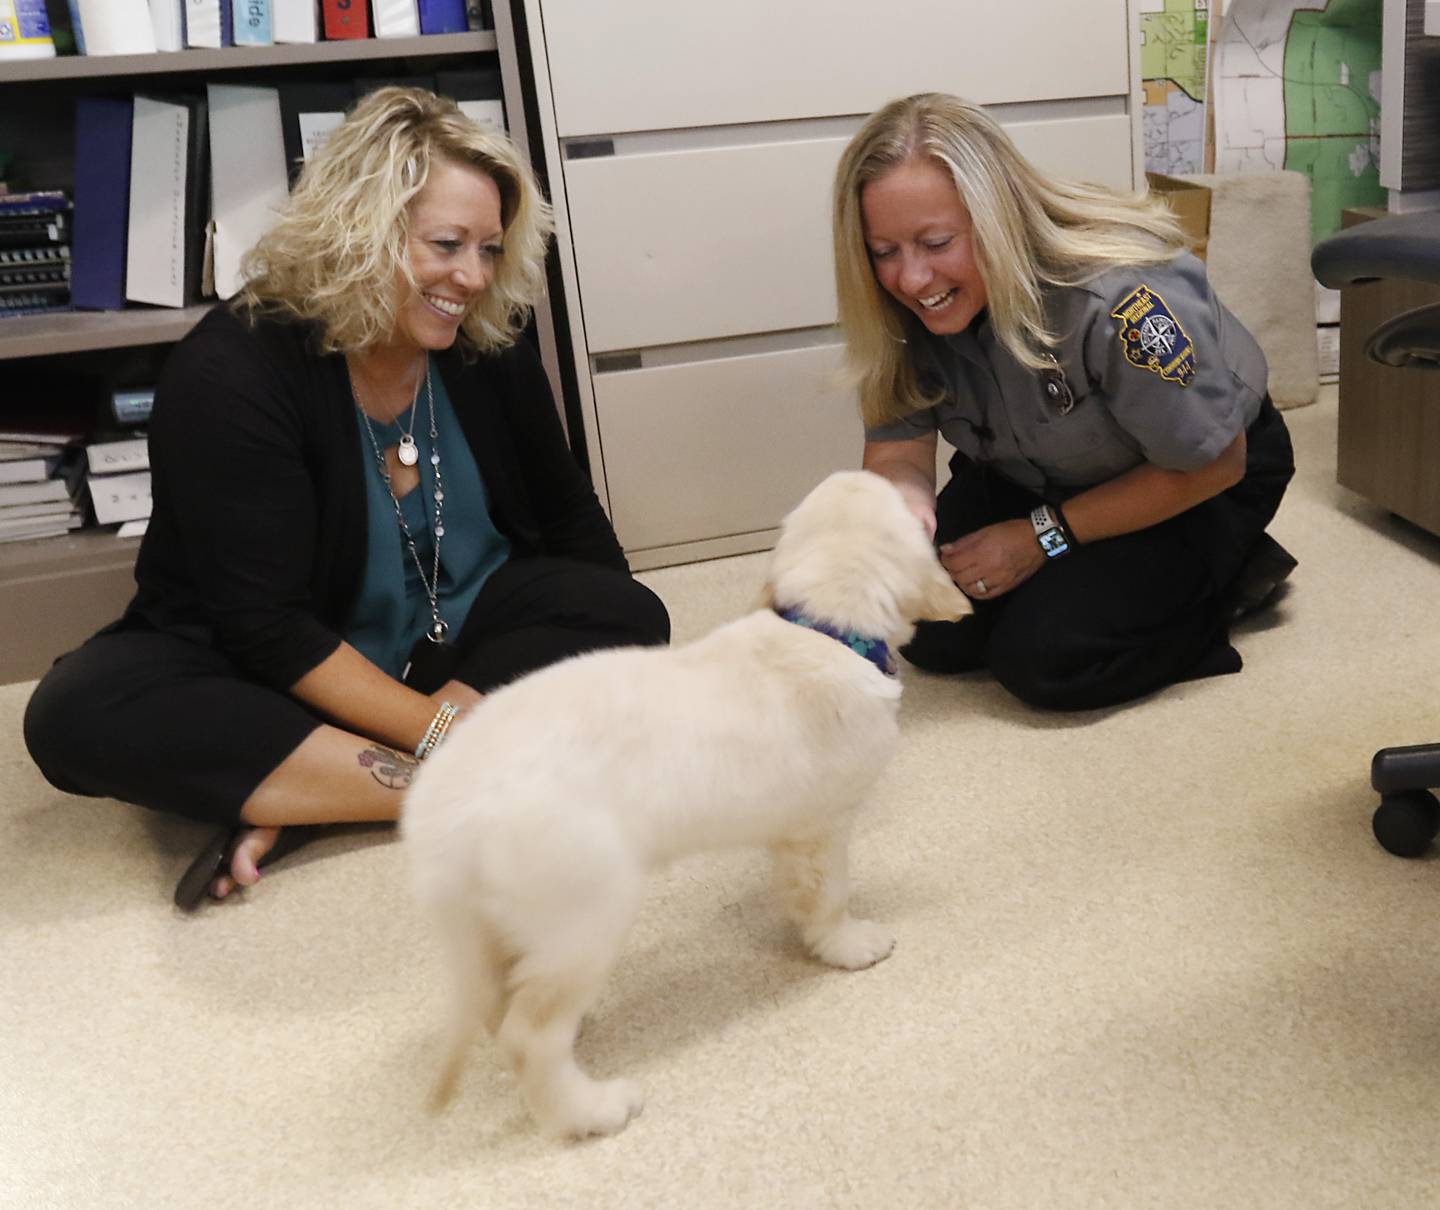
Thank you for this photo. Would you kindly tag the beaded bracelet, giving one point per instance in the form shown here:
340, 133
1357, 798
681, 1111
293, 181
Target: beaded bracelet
435, 732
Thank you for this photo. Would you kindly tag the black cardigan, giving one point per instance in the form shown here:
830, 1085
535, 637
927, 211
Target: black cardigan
257, 538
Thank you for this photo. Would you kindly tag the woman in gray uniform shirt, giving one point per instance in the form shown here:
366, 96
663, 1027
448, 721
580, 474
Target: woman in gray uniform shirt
1118, 456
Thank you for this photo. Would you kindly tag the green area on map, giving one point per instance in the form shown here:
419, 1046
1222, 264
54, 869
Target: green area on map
1331, 117
1174, 46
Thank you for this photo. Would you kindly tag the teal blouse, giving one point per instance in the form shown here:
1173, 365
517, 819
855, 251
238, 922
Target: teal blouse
392, 611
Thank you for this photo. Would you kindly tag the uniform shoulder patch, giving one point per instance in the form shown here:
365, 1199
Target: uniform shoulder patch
1153, 338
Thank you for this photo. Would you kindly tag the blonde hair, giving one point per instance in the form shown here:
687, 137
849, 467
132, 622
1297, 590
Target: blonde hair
1030, 231
336, 251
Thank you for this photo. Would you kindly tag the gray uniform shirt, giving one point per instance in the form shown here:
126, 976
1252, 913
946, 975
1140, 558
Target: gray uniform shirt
1158, 371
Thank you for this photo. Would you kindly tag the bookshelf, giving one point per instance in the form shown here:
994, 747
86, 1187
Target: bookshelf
55, 592
79, 331
244, 58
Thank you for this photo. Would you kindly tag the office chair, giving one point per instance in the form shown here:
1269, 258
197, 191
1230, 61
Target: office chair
1405, 246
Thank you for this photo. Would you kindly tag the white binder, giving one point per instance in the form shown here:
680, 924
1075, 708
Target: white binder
116, 27
249, 184
396, 18
295, 20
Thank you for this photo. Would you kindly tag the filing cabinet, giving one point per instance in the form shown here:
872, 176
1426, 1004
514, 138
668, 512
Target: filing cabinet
690, 151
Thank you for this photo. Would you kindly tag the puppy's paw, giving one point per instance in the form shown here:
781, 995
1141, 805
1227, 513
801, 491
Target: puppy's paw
856, 944
606, 1108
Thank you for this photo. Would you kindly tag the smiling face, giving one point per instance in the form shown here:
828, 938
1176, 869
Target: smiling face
921, 245
455, 234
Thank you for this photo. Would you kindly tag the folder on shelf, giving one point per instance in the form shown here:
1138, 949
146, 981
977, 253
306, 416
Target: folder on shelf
63, 509
52, 528
308, 112
12, 451
295, 20
396, 18
102, 201
28, 470
114, 457
345, 19
208, 24
116, 27
477, 92
249, 184
46, 491
167, 22
120, 497
164, 245
252, 23
442, 17
18, 525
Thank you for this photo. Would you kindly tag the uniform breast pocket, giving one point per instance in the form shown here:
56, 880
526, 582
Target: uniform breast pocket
1072, 424
1083, 446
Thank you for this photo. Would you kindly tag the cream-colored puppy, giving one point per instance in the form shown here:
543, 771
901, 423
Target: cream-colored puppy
530, 832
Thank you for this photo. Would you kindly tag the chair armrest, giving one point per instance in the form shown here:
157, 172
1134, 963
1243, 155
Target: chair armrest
1398, 245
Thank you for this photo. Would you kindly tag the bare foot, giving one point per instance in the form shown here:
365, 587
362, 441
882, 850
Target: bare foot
245, 860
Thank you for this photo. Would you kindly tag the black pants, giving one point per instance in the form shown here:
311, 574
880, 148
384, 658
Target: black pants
1116, 619
157, 719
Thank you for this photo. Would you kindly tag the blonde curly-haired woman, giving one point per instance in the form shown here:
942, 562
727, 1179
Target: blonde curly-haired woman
365, 511
1118, 455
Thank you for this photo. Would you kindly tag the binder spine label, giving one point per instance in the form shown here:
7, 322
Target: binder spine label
252, 23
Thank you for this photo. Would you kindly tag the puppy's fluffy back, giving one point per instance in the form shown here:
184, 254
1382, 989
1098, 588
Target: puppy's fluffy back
650, 753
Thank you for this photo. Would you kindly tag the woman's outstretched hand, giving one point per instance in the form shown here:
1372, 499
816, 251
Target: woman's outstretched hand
990, 562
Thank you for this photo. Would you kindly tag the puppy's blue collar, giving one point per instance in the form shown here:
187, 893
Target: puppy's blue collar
877, 651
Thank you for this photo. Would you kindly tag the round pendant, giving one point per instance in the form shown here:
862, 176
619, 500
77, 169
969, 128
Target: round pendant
407, 452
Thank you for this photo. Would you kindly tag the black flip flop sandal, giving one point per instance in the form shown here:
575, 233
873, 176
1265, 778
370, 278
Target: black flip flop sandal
208, 865
214, 859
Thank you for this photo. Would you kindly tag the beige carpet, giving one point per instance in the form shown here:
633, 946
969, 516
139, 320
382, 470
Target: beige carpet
1147, 957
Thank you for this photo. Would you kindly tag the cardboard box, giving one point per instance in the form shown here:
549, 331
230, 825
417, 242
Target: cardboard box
1190, 203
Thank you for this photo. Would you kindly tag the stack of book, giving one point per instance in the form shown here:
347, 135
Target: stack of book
39, 477
118, 477
117, 465
34, 252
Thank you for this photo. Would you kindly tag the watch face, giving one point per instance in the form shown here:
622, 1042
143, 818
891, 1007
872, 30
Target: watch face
1053, 543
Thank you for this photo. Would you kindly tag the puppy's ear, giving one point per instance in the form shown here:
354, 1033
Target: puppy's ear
767, 596
941, 601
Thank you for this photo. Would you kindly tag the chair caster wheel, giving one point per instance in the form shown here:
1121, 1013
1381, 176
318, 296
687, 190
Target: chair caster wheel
1405, 823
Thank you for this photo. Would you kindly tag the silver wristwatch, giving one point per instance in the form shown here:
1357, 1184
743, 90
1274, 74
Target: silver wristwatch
1049, 532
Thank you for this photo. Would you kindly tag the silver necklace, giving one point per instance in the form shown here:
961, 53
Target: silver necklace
407, 451
438, 625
